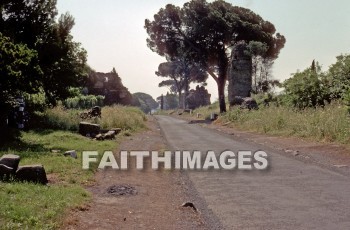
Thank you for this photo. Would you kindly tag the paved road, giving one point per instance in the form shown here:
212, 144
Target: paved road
290, 195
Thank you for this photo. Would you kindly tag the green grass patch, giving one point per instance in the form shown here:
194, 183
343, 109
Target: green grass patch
117, 116
330, 124
30, 206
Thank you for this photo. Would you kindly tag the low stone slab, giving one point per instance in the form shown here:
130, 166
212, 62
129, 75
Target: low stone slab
99, 137
116, 130
249, 103
109, 135
89, 129
10, 160
71, 153
5, 172
32, 173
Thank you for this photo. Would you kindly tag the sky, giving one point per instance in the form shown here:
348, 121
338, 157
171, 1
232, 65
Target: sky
112, 32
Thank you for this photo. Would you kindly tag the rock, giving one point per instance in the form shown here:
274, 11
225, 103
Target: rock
214, 116
237, 100
32, 173
55, 151
116, 130
249, 103
340, 166
189, 204
99, 137
109, 135
71, 153
5, 172
86, 128
11, 161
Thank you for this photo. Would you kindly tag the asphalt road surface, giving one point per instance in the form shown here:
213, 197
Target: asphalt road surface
290, 194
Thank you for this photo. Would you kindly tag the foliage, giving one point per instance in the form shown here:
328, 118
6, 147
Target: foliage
145, 102
84, 102
339, 76
43, 212
124, 117
346, 98
171, 101
35, 102
306, 89
60, 118
19, 69
205, 32
19, 73
330, 123
181, 73
62, 61
30, 206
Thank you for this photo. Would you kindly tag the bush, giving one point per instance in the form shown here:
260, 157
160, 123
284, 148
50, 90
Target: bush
83, 102
60, 118
306, 89
346, 99
124, 117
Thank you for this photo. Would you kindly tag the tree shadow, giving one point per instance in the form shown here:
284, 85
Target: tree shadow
200, 122
13, 144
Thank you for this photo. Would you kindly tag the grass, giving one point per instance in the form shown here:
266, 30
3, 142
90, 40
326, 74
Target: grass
124, 117
31, 206
328, 124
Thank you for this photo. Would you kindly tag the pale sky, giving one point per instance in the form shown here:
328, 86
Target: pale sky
112, 32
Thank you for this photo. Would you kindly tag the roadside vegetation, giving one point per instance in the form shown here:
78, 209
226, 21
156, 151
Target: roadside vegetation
31, 206
314, 104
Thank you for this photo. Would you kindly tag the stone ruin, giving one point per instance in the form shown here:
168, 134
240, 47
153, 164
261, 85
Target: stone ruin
240, 77
94, 131
93, 112
198, 97
110, 86
10, 170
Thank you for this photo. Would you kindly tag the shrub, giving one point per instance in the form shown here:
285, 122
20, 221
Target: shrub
306, 89
60, 118
83, 102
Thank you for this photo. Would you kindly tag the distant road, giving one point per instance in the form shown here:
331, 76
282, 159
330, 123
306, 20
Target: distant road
291, 194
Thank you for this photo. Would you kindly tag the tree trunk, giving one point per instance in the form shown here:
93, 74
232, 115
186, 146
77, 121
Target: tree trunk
187, 76
181, 103
221, 89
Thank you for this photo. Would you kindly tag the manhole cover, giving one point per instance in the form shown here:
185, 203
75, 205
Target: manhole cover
121, 190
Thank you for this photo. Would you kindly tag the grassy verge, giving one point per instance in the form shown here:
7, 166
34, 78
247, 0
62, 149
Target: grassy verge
125, 117
329, 124
30, 206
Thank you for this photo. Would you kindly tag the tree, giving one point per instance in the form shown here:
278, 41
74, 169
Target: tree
63, 61
307, 88
205, 34
339, 76
170, 101
181, 73
19, 73
145, 102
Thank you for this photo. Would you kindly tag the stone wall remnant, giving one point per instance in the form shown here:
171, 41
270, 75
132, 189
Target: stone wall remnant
240, 74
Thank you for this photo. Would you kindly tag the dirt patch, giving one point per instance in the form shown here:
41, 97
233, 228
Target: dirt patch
157, 204
121, 190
